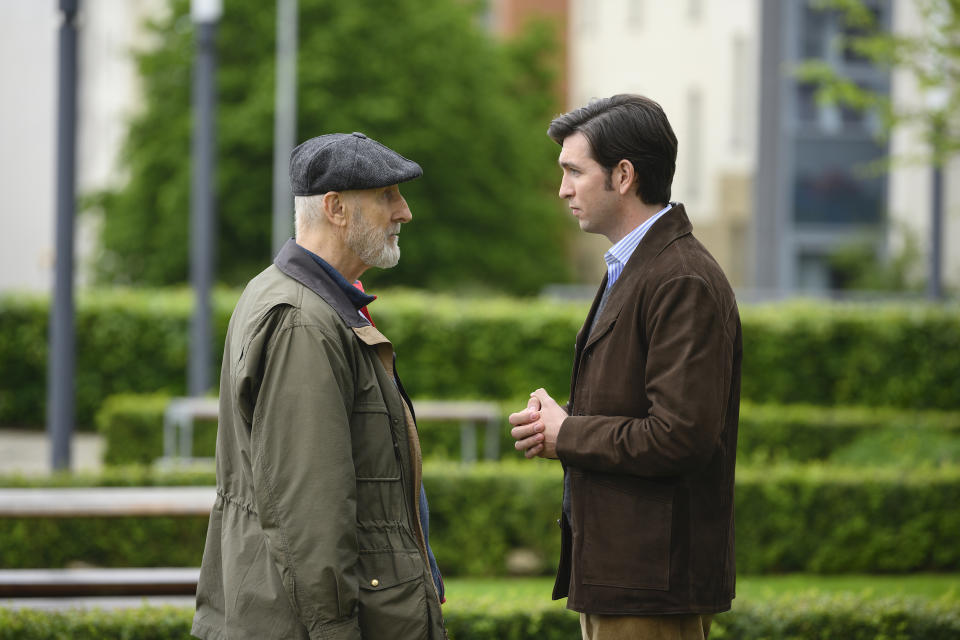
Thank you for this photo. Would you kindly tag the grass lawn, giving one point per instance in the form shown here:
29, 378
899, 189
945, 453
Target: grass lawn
927, 585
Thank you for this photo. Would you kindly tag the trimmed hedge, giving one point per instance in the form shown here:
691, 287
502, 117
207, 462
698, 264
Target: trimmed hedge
132, 429
496, 348
132, 426
820, 519
805, 433
807, 618
835, 617
127, 341
806, 519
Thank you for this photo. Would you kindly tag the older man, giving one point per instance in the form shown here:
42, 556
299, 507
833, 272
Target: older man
320, 524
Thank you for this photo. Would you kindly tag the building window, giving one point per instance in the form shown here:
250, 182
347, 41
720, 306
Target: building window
816, 33
830, 185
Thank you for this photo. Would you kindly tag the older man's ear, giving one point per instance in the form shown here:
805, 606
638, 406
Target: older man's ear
333, 209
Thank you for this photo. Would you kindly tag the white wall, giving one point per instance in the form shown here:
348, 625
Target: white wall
697, 58
107, 96
28, 58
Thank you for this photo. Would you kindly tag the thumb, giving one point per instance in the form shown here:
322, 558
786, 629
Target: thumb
542, 396
533, 403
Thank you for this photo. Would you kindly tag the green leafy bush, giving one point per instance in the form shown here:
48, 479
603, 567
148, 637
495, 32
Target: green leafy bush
132, 428
106, 542
421, 76
821, 519
127, 341
803, 433
824, 618
840, 616
810, 519
496, 348
858, 354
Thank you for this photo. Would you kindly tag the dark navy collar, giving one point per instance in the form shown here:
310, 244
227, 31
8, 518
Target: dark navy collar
296, 262
358, 298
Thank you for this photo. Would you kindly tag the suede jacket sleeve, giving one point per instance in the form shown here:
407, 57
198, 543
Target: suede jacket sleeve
687, 373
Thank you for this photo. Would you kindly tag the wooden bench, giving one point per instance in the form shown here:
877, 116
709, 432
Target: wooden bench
106, 501
102, 502
174, 501
73, 583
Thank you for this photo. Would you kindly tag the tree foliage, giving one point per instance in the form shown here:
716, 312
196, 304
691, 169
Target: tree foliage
931, 56
419, 75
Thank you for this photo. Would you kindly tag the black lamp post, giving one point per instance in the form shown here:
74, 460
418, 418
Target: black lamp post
205, 15
61, 360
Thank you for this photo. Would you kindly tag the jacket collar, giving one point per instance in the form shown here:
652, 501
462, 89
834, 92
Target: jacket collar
672, 225
296, 262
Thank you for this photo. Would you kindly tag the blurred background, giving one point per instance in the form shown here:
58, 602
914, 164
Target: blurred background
789, 192
143, 181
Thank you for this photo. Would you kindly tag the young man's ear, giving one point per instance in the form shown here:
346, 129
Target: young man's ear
625, 177
333, 211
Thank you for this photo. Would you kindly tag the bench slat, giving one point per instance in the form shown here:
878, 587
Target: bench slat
63, 583
106, 501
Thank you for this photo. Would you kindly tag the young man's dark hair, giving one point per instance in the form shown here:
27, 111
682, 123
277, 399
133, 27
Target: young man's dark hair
630, 127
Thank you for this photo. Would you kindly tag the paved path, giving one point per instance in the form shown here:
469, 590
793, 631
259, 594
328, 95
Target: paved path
28, 452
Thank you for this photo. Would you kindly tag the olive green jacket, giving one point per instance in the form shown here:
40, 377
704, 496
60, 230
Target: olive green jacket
315, 532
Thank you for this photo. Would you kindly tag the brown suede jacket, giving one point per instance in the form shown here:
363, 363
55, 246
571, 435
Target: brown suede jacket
650, 444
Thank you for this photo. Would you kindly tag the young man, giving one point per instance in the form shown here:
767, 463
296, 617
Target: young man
648, 438
320, 524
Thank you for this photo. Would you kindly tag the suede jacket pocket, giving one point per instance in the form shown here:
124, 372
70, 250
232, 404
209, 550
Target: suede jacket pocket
626, 532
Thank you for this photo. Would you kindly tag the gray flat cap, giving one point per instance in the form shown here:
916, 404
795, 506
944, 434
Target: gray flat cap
340, 162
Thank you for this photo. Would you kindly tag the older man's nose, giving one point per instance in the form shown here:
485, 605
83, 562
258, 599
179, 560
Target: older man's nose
404, 214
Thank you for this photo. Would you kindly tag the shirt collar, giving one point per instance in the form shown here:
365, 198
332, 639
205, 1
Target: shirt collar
357, 298
620, 252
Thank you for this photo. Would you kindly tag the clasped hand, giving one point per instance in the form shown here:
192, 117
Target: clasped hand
535, 429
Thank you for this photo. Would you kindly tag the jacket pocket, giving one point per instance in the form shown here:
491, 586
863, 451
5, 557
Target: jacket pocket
393, 601
626, 532
374, 452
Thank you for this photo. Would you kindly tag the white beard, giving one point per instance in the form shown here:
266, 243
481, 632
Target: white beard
375, 247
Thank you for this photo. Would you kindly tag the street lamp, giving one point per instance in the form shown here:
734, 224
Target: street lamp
936, 102
284, 120
61, 359
205, 15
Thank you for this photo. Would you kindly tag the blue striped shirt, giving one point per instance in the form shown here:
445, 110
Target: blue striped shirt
617, 255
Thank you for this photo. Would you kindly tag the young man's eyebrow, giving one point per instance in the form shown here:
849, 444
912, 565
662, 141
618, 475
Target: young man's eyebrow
566, 164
